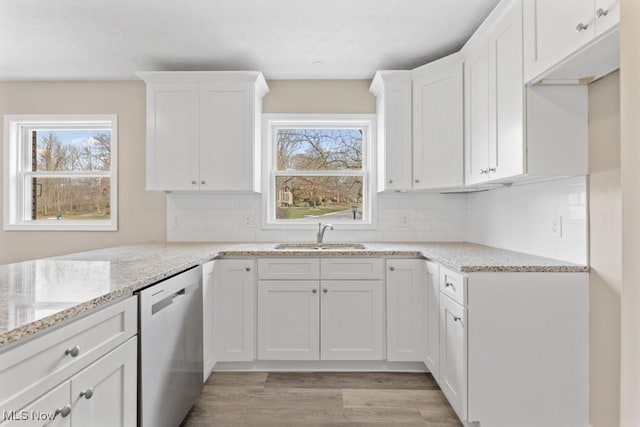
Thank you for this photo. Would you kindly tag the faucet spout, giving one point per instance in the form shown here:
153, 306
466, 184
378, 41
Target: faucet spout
321, 230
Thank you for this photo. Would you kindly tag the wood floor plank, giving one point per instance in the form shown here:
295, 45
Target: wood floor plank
352, 380
359, 398
317, 400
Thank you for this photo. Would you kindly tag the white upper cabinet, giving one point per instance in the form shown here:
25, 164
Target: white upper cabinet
203, 130
513, 131
420, 126
438, 124
476, 103
392, 90
570, 40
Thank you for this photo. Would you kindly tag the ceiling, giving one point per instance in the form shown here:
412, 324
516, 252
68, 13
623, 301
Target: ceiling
285, 39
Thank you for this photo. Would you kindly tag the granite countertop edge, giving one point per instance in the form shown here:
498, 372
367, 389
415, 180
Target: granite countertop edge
31, 329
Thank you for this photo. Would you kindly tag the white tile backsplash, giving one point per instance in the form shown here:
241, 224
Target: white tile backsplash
236, 217
520, 218
517, 218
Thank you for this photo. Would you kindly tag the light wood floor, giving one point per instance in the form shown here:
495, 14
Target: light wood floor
321, 399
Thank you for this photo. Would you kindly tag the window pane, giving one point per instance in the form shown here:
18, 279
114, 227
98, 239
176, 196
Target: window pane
71, 150
71, 198
319, 149
323, 197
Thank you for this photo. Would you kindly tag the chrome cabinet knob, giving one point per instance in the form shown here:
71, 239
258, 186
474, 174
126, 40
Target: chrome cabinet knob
63, 412
483, 171
314, 291
325, 290
491, 170
194, 182
417, 181
448, 285
73, 351
390, 181
392, 268
456, 318
581, 27
601, 12
87, 394
203, 182
247, 268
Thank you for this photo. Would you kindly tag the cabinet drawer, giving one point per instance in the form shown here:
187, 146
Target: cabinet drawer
288, 268
453, 285
49, 359
351, 268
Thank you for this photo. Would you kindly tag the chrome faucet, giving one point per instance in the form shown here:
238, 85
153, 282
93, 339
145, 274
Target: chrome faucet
321, 230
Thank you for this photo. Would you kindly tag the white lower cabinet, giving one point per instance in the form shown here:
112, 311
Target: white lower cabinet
352, 314
80, 374
432, 314
234, 310
405, 310
208, 354
288, 320
104, 393
453, 354
49, 405
337, 319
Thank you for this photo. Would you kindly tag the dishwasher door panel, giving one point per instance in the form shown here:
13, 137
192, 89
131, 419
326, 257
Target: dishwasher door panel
170, 349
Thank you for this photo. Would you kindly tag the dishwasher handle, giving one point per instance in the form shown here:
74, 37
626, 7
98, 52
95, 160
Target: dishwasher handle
166, 302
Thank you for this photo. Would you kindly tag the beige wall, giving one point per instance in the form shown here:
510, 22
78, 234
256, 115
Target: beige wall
630, 173
319, 96
142, 215
605, 214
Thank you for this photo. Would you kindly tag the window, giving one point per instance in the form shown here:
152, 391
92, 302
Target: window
60, 172
319, 170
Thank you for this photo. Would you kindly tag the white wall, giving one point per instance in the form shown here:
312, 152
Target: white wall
630, 183
605, 242
141, 214
236, 217
519, 218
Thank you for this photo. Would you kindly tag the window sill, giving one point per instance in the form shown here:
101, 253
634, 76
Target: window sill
67, 226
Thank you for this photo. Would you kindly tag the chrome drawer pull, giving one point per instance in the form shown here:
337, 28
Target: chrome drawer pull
63, 412
73, 351
456, 318
87, 394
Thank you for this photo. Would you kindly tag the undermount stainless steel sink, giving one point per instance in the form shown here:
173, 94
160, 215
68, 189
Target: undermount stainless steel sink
319, 246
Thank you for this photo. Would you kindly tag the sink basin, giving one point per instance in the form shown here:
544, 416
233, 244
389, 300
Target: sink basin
319, 246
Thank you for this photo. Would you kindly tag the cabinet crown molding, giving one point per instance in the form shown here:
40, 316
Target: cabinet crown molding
206, 76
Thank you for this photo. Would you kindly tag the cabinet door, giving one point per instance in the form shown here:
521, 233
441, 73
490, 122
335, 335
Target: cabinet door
226, 136
105, 393
172, 136
476, 97
49, 406
288, 320
352, 320
551, 31
208, 355
432, 351
405, 310
453, 354
394, 115
506, 95
607, 15
234, 310
438, 124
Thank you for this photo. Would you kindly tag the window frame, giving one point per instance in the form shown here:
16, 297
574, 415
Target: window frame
272, 122
17, 137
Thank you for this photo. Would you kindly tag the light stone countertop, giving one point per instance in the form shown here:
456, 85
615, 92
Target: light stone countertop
38, 294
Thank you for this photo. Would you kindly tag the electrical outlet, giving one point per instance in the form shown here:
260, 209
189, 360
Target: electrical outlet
556, 227
405, 221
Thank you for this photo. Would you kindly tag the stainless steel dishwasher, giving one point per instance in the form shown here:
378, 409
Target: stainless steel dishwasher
170, 355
